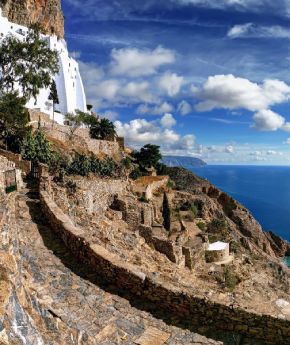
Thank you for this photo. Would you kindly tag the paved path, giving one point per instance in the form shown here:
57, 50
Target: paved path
74, 308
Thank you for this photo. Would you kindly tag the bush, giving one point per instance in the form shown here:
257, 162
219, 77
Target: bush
59, 165
231, 278
126, 163
235, 246
107, 167
71, 187
201, 225
135, 174
218, 226
80, 165
143, 199
193, 210
171, 184
36, 148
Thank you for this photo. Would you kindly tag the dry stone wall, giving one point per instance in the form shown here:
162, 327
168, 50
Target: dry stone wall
111, 148
200, 312
9, 166
24, 166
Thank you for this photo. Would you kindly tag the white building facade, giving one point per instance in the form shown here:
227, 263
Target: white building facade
68, 81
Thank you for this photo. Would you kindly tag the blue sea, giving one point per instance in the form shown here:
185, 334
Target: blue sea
264, 190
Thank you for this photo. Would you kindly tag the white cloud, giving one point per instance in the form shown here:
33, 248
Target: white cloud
221, 4
274, 153
267, 120
107, 89
90, 71
109, 114
184, 108
171, 83
255, 31
230, 92
133, 62
167, 121
159, 109
140, 131
137, 91
239, 30
287, 141
229, 149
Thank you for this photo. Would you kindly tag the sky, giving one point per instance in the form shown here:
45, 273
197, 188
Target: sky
202, 78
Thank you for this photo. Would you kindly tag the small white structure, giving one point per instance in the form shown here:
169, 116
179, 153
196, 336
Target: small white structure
68, 81
217, 252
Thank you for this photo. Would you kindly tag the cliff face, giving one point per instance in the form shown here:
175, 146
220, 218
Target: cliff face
45, 12
242, 226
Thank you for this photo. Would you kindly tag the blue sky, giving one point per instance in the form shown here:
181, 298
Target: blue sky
202, 78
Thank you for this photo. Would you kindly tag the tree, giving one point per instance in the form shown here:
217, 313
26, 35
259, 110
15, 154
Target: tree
53, 96
30, 63
148, 156
166, 213
14, 120
37, 148
76, 120
102, 129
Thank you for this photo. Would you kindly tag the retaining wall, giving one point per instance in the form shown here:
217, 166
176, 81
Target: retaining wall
202, 313
25, 166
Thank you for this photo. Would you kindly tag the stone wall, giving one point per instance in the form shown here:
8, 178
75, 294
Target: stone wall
24, 166
111, 148
200, 312
7, 165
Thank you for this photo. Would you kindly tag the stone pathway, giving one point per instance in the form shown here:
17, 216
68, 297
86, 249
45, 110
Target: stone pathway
65, 306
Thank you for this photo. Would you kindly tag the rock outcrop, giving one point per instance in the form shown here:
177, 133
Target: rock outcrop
47, 13
243, 227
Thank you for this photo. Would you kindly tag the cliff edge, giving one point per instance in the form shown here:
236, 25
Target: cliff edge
47, 13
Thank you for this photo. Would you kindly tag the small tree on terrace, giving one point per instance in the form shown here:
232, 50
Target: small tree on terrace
148, 156
76, 120
14, 119
29, 63
102, 129
53, 96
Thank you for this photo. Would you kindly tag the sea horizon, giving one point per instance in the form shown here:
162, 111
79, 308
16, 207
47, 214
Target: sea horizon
263, 189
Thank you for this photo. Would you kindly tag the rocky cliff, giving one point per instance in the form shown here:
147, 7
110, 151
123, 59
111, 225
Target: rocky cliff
45, 12
242, 226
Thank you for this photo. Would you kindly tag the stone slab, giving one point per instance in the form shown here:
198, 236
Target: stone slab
153, 336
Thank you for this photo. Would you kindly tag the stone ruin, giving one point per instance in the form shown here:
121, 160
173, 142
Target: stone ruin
10, 176
183, 242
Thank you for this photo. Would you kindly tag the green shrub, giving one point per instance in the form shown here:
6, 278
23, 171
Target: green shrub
107, 167
231, 278
136, 173
234, 246
171, 184
201, 225
193, 210
218, 226
80, 165
126, 163
143, 199
37, 148
95, 165
71, 187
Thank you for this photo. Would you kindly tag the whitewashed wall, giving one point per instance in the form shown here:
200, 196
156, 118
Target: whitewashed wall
68, 81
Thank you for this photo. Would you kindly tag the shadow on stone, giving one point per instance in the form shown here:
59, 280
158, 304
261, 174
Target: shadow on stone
69, 260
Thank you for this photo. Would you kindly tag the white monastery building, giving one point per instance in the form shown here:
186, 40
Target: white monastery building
68, 81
